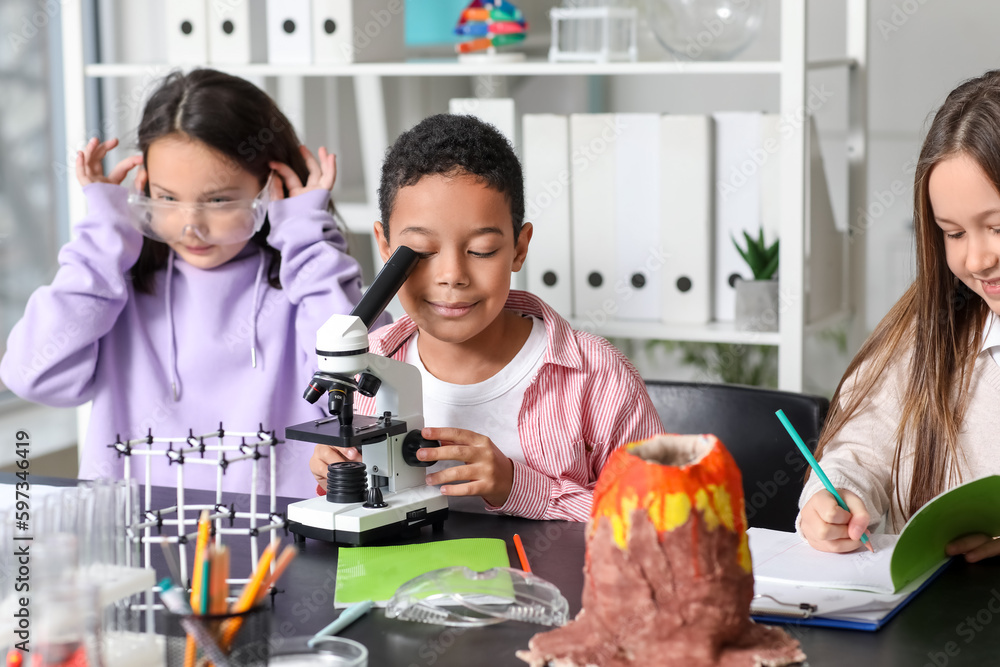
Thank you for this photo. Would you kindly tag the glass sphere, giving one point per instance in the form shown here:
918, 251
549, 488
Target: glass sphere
704, 29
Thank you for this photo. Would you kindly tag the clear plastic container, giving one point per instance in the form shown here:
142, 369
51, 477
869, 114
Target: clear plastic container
461, 597
327, 652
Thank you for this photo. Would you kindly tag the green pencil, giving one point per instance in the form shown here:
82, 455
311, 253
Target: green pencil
206, 578
811, 460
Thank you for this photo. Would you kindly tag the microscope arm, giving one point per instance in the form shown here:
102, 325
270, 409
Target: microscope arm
401, 392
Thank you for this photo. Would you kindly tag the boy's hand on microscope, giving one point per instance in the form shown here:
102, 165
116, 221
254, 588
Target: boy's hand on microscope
324, 455
487, 472
89, 168
829, 527
322, 174
976, 547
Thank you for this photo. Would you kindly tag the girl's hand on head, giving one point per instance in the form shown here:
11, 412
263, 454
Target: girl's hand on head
89, 168
976, 547
322, 174
829, 527
324, 455
486, 473
141, 178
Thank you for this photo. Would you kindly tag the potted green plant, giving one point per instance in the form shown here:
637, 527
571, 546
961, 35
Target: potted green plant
757, 300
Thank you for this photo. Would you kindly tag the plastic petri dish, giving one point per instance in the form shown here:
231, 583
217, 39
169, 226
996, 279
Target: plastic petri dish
327, 652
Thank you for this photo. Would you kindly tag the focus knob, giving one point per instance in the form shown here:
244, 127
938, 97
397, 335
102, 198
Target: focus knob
412, 443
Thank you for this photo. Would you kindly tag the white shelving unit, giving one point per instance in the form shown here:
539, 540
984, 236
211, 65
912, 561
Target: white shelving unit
792, 69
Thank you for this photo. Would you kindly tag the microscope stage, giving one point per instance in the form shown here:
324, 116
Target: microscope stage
364, 430
352, 523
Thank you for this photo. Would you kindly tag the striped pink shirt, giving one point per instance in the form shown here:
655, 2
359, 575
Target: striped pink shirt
586, 401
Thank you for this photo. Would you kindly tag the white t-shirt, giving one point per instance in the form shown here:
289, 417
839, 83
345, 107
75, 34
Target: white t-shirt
490, 407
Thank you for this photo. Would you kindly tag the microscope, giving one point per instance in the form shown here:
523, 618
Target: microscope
386, 493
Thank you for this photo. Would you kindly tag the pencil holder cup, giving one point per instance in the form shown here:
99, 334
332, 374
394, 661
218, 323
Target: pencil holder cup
249, 636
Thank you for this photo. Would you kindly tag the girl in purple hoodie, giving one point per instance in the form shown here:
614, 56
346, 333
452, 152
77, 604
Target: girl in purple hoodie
195, 299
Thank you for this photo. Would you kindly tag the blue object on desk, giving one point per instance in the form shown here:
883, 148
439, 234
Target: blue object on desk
845, 624
348, 616
815, 466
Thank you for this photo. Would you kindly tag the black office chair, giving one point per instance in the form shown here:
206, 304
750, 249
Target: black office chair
743, 419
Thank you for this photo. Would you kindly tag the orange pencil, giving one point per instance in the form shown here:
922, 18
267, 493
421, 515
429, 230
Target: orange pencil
520, 553
279, 568
249, 594
220, 572
190, 650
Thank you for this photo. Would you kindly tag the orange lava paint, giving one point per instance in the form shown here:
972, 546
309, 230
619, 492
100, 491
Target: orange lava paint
667, 494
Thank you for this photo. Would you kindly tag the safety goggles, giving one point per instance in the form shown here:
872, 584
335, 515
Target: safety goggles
212, 223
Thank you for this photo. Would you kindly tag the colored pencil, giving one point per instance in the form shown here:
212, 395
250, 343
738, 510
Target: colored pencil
279, 568
190, 649
811, 460
249, 594
520, 553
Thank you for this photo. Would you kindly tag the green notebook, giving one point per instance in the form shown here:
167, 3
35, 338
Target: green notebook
973, 507
914, 554
374, 573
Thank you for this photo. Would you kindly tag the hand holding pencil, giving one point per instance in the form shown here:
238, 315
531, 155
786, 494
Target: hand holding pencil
829, 527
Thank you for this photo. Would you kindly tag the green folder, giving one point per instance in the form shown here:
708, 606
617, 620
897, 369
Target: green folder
374, 573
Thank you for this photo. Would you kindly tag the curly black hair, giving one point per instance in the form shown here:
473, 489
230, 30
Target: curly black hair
452, 145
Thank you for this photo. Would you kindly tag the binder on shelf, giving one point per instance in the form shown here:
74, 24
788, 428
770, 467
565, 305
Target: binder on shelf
825, 243
686, 222
638, 275
747, 178
545, 141
332, 22
592, 169
236, 32
770, 150
348, 31
187, 33
498, 112
289, 32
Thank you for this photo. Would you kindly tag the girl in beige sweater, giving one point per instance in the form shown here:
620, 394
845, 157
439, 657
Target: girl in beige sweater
916, 412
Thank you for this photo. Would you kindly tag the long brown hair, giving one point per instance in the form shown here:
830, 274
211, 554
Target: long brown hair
938, 317
238, 120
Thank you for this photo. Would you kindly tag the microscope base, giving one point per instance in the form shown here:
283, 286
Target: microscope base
353, 524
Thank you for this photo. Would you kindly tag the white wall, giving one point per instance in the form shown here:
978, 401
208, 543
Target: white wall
920, 50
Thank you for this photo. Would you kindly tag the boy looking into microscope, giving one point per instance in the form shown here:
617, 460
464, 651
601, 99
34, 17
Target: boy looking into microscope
527, 409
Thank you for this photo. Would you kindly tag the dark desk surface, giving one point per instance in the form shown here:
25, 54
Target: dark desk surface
955, 621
